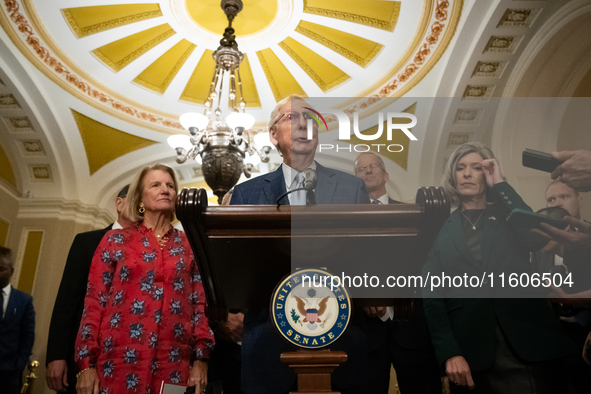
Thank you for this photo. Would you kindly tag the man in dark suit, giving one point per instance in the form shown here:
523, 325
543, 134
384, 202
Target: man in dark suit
405, 345
17, 328
575, 316
67, 311
262, 371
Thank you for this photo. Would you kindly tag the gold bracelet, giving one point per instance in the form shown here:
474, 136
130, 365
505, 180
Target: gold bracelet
81, 372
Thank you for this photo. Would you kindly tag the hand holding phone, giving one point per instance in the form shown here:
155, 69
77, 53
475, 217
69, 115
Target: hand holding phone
527, 219
539, 160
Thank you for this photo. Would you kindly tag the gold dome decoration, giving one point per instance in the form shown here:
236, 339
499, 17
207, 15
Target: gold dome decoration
255, 16
321, 45
282, 83
103, 143
159, 75
383, 15
85, 21
120, 53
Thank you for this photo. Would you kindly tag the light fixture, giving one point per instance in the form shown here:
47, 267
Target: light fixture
222, 144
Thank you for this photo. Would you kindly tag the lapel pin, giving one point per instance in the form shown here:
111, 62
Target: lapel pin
492, 218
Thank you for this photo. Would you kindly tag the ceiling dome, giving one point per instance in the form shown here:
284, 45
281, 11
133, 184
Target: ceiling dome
149, 62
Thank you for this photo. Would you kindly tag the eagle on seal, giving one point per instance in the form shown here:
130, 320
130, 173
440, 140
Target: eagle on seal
312, 314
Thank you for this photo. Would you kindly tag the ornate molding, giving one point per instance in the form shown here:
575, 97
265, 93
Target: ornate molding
502, 44
121, 64
306, 67
42, 58
269, 76
519, 17
99, 27
162, 88
63, 210
339, 49
362, 20
8, 102
429, 51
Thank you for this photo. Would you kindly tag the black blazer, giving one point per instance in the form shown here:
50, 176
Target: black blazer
465, 327
410, 334
17, 332
67, 311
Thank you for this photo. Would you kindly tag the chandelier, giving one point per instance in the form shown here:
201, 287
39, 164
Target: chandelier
221, 145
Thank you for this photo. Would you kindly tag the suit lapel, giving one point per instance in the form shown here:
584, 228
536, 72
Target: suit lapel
457, 234
326, 185
488, 232
275, 187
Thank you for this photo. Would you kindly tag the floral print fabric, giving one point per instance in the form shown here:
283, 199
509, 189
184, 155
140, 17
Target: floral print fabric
143, 320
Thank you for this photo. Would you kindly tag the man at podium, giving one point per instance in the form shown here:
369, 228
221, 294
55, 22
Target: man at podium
262, 372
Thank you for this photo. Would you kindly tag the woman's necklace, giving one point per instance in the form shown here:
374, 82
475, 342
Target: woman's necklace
162, 239
473, 224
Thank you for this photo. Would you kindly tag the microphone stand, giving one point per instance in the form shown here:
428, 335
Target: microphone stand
310, 196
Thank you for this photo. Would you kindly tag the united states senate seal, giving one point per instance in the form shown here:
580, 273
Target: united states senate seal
308, 310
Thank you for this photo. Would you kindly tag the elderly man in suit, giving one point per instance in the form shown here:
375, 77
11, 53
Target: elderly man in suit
17, 328
288, 132
405, 345
67, 311
262, 371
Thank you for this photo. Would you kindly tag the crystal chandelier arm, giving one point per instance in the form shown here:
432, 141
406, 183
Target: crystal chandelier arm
212, 92
232, 91
242, 102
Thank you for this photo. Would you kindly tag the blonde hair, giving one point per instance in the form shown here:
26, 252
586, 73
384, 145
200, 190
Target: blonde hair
134, 196
449, 174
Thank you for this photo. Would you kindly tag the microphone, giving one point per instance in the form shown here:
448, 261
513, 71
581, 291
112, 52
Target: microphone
310, 185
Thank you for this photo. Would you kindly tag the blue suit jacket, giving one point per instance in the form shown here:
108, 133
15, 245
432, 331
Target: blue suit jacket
333, 187
262, 372
17, 332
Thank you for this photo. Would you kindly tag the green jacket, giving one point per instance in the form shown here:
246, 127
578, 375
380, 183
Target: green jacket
462, 321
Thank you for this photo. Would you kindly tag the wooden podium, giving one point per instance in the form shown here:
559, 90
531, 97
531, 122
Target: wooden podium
244, 251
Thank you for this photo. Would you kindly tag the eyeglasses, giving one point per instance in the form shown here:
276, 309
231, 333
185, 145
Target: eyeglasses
294, 117
362, 169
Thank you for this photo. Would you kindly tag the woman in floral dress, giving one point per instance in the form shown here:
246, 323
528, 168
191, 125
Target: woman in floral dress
144, 320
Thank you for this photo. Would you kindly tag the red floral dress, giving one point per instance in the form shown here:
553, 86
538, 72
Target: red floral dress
143, 320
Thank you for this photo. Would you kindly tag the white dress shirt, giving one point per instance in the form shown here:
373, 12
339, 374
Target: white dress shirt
6, 293
289, 175
382, 199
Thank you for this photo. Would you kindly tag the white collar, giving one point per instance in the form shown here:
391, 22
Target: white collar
6, 291
383, 199
289, 173
116, 226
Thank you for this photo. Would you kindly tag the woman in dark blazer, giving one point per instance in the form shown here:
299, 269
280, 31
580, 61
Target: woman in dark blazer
489, 339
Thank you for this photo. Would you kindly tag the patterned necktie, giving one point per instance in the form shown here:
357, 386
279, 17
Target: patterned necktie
299, 197
376, 202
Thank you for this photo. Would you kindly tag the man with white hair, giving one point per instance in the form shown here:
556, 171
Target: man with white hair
262, 372
288, 131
